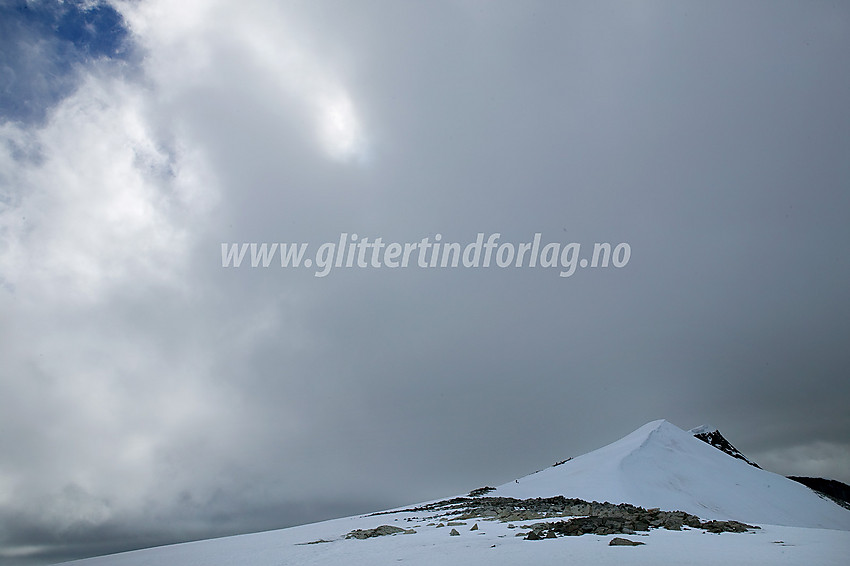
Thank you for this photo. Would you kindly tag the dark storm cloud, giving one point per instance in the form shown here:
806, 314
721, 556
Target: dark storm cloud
41, 45
153, 387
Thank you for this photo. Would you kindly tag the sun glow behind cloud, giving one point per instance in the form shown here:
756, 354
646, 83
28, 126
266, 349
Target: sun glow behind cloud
285, 67
297, 73
339, 128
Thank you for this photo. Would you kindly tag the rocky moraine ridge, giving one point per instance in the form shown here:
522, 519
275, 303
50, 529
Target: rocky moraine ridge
584, 517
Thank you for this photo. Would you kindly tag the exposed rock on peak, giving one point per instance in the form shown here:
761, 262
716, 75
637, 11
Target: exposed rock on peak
713, 437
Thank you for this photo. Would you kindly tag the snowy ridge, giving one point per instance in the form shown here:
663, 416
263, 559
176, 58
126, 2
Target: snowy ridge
660, 465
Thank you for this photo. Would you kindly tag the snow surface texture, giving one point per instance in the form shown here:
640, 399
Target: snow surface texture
777, 546
658, 465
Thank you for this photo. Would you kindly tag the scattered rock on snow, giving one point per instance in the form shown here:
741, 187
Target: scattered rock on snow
617, 541
383, 530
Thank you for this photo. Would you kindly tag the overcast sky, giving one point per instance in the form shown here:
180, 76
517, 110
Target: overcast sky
149, 395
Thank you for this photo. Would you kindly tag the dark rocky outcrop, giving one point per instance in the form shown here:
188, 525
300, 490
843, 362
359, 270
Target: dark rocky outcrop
835, 490
632, 520
481, 491
718, 441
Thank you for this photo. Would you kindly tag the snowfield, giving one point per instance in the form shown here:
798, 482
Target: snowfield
659, 465
772, 545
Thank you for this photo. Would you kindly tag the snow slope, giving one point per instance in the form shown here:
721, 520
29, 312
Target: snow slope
493, 545
660, 465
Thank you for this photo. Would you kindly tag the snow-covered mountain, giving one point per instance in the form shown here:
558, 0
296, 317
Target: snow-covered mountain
660, 465
657, 466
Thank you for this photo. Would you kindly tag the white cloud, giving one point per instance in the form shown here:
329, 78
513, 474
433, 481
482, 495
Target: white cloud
100, 213
104, 202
